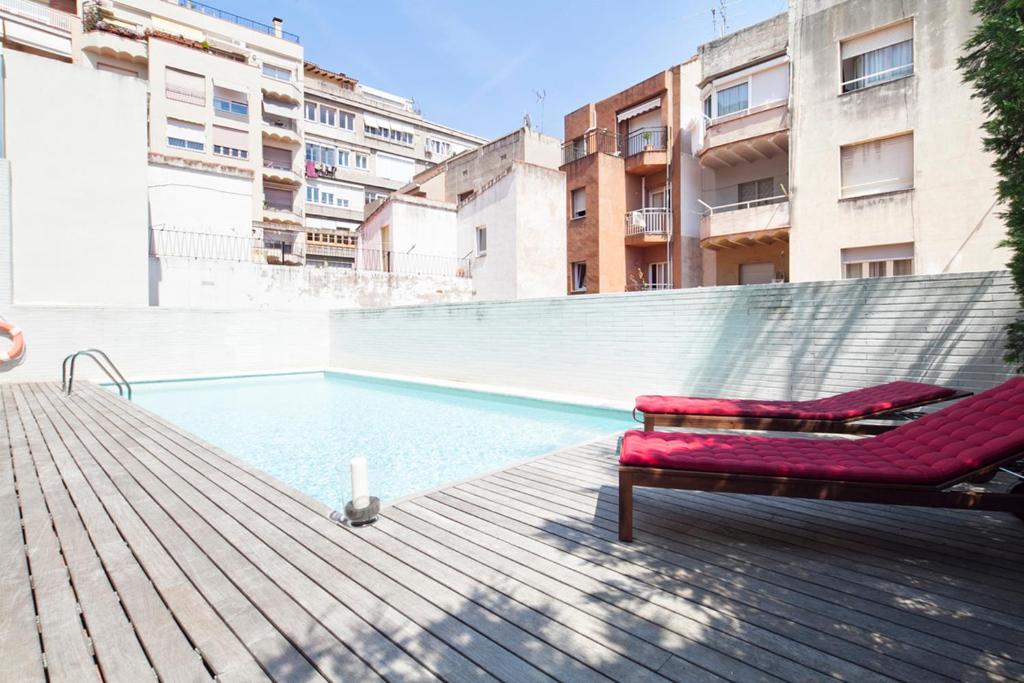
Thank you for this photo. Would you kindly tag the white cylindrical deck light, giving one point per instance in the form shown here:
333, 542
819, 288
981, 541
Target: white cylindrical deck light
360, 485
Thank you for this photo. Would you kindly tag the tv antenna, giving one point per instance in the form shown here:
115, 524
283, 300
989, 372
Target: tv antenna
541, 96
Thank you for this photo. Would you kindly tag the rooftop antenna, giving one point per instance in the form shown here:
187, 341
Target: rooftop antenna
541, 96
725, 19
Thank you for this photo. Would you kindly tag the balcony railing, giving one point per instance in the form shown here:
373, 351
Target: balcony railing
235, 19
645, 140
279, 165
282, 123
591, 142
748, 204
164, 242
39, 13
649, 221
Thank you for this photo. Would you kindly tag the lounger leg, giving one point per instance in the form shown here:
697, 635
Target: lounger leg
648, 423
625, 507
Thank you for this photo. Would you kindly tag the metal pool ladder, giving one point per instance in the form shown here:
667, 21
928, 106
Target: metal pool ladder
105, 364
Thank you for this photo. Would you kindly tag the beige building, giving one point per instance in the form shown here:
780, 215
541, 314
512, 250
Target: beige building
361, 144
834, 140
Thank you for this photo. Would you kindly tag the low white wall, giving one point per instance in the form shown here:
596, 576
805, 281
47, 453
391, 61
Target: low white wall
771, 341
158, 342
194, 283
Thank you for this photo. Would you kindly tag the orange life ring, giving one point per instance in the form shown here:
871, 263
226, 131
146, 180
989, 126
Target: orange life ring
17, 341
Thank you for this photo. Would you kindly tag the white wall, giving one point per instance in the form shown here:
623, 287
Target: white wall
153, 342
421, 229
191, 283
76, 141
193, 200
494, 275
770, 341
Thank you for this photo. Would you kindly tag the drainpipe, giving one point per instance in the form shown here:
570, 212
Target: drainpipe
671, 205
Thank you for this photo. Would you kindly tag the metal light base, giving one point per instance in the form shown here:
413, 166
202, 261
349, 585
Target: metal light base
360, 516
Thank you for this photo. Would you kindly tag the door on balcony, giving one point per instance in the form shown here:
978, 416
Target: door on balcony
656, 199
757, 273
657, 275
754, 190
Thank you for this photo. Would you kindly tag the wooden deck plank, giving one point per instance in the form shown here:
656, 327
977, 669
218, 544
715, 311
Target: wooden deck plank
944, 584
66, 647
516, 575
118, 651
159, 533
414, 590
747, 552
887, 652
263, 602
595, 524
151, 586
273, 551
20, 649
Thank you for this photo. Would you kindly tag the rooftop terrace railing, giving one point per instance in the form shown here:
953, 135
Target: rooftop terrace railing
236, 19
39, 13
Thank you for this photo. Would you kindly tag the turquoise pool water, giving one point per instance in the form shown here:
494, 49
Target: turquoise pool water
304, 429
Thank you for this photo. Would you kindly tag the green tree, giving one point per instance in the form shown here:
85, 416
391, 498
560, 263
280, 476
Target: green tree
994, 64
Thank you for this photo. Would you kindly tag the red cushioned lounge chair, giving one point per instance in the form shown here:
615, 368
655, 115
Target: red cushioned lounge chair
914, 464
841, 413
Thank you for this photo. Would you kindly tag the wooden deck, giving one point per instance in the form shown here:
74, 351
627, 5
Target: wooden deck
131, 550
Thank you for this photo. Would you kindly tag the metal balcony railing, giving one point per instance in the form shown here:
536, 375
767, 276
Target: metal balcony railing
235, 19
649, 221
653, 139
746, 195
39, 13
592, 142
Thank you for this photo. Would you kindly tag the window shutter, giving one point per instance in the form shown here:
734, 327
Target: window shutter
185, 80
192, 132
229, 137
878, 39
880, 166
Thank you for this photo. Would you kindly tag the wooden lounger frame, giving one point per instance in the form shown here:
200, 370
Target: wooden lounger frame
783, 424
789, 487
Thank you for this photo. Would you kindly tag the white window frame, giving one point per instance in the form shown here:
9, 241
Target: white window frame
329, 113
657, 275
582, 213
847, 192
578, 273
346, 116
365, 165
894, 71
481, 240
343, 157
276, 72
311, 111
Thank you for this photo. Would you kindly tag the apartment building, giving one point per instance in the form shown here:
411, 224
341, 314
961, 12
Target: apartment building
361, 145
624, 165
39, 27
835, 140
495, 212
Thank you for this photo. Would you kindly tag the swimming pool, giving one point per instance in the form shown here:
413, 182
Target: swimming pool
304, 429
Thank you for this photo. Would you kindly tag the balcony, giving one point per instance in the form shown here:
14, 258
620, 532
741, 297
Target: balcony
592, 142
280, 172
648, 226
117, 43
281, 213
36, 26
645, 150
281, 130
759, 222
746, 136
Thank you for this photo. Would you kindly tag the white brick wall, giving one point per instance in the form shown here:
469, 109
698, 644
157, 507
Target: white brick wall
772, 341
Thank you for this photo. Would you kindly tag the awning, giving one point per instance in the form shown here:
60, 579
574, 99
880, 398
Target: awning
279, 109
639, 109
401, 127
375, 121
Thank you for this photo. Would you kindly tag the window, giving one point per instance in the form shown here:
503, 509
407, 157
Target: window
277, 72
186, 135
230, 103
101, 66
732, 99
878, 57
481, 240
579, 203
310, 111
707, 107
362, 161
879, 261
327, 115
372, 196
346, 120
757, 273
184, 86
579, 276
342, 157
228, 142
657, 275
878, 166
321, 154
439, 147
754, 190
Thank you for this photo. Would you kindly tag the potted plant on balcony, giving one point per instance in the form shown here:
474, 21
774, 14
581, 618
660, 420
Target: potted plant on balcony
647, 137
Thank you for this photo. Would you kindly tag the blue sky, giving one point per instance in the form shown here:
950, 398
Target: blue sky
475, 65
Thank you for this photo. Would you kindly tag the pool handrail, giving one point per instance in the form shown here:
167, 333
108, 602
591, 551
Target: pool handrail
67, 378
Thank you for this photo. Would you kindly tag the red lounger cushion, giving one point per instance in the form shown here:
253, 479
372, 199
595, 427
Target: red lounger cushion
852, 404
934, 449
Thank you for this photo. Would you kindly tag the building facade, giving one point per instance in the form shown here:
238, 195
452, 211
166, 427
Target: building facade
835, 140
361, 144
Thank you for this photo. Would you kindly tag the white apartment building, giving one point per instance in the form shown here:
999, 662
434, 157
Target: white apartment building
838, 141
361, 144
